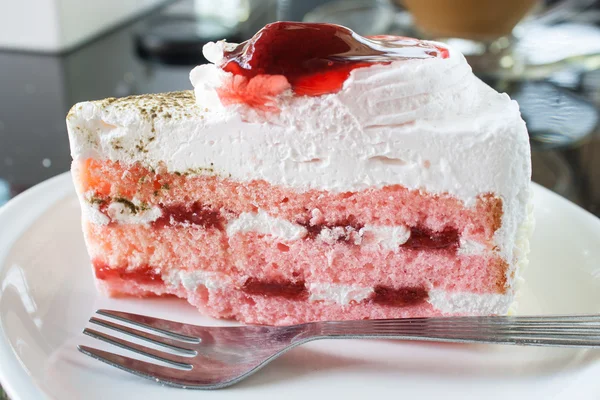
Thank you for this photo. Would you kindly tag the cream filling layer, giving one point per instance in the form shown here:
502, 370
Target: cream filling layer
92, 213
119, 212
337, 293
190, 280
122, 214
470, 303
389, 237
261, 222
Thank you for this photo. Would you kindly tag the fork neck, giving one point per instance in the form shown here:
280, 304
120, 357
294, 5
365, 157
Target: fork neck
362, 328
388, 328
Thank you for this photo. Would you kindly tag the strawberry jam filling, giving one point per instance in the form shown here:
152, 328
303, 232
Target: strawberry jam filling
402, 297
314, 58
422, 238
195, 214
143, 275
288, 290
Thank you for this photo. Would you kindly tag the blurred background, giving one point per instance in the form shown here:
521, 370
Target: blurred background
545, 54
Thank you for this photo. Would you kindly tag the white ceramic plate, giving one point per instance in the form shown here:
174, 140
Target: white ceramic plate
47, 295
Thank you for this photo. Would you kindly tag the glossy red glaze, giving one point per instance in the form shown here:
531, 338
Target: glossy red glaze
317, 58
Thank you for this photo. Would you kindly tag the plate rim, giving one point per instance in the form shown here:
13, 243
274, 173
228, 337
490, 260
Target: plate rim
14, 377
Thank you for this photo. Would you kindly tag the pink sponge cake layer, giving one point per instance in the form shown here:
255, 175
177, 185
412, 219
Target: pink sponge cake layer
389, 205
356, 178
188, 248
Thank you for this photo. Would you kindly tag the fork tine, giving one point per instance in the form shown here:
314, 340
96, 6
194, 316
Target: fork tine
175, 330
157, 373
155, 339
178, 361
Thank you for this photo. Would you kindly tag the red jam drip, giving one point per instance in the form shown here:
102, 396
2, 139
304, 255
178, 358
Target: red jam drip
288, 290
316, 58
143, 275
421, 239
403, 297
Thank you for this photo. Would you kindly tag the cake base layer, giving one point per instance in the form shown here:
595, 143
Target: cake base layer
268, 310
279, 310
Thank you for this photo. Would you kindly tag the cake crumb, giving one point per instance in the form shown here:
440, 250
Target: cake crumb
317, 217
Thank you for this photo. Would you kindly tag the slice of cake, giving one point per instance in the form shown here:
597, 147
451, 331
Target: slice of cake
313, 174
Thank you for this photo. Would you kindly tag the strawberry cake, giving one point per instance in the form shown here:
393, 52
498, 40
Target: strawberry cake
312, 174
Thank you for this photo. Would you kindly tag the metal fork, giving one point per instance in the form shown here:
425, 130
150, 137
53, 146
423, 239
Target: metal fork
202, 357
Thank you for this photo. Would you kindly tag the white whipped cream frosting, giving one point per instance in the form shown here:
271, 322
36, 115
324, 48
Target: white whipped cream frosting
426, 124
386, 125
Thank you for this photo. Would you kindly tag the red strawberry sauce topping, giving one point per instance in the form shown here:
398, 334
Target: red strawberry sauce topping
309, 58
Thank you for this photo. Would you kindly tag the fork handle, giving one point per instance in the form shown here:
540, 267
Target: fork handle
567, 331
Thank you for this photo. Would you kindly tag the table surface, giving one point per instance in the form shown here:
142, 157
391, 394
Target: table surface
37, 91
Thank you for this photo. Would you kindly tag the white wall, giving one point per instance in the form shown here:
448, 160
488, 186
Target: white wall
58, 25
